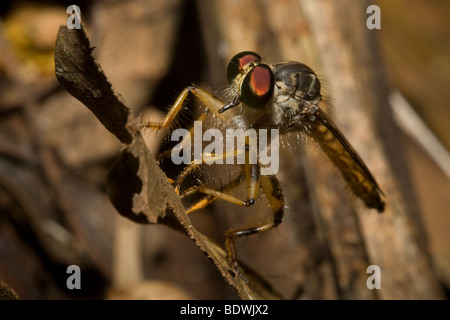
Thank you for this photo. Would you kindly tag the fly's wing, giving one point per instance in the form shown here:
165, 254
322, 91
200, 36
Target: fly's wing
322, 129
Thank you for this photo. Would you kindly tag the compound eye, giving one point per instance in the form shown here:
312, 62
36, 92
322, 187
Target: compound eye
238, 62
257, 86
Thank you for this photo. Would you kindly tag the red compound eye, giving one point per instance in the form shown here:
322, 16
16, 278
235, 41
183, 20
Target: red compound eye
238, 62
257, 86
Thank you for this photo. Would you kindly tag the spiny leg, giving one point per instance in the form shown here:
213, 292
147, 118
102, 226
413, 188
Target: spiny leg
251, 172
252, 178
168, 152
205, 201
272, 189
208, 99
212, 193
194, 165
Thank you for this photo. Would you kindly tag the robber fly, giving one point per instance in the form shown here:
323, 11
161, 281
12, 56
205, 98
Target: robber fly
282, 96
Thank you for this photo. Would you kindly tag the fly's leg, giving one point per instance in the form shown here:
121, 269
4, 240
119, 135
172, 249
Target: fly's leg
207, 98
194, 165
209, 198
252, 174
272, 189
252, 179
167, 153
205, 159
212, 195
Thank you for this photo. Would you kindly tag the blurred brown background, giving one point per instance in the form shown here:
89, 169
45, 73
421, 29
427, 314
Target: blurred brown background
54, 154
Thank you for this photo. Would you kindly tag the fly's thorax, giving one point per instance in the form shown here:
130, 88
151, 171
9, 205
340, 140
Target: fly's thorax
296, 94
297, 80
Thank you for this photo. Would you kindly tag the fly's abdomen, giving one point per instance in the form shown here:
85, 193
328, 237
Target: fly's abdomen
345, 158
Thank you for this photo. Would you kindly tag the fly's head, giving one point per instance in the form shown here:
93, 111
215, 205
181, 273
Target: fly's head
251, 82
280, 94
